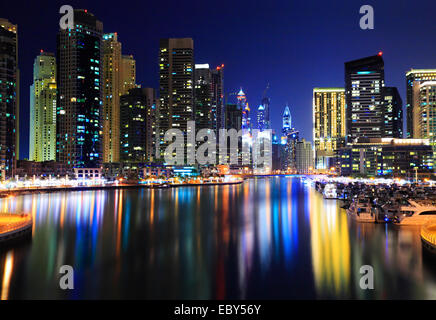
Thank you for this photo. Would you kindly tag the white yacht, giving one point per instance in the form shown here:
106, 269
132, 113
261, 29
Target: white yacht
330, 191
417, 213
361, 210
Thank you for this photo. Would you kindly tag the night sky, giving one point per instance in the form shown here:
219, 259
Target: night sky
293, 45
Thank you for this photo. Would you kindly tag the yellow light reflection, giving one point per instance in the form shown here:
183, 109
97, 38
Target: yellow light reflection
7, 274
330, 245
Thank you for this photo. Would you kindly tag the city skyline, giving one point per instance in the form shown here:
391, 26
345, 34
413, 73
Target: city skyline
289, 81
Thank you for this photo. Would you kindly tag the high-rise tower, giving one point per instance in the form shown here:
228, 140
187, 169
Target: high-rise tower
127, 74
111, 97
42, 137
364, 79
218, 112
261, 124
414, 78
9, 98
80, 88
203, 97
287, 120
243, 105
138, 109
328, 125
392, 126
176, 87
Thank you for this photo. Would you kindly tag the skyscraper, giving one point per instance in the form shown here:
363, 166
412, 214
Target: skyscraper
233, 120
426, 123
304, 157
176, 86
42, 137
266, 110
111, 97
79, 56
9, 98
414, 78
328, 125
261, 123
287, 120
243, 105
392, 113
364, 79
218, 98
137, 125
127, 76
289, 141
203, 97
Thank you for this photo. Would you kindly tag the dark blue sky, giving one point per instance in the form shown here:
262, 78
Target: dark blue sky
293, 45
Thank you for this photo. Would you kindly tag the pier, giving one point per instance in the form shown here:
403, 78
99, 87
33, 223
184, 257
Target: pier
428, 237
14, 227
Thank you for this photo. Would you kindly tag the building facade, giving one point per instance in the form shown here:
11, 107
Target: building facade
328, 125
364, 80
304, 157
111, 97
426, 124
388, 157
286, 120
137, 139
9, 98
176, 87
203, 97
79, 101
392, 113
127, 76
218, 98
43, 96
414, 78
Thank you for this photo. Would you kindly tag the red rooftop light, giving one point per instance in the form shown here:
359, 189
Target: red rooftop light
380, 53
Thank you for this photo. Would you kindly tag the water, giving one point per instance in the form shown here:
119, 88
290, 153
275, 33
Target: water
266, 238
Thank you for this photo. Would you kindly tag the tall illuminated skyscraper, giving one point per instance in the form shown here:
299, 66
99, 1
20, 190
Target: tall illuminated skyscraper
137, 125
243, 105
392, 113
287, 120
80, 88
414, 78
218, 112
9, 98
127, 76
203, 97
111, 97
364, 79
328, 124
42, 137
426, 123
261, 125
266, 103
176, 87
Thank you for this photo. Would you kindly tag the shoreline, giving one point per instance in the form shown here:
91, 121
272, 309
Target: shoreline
19, 192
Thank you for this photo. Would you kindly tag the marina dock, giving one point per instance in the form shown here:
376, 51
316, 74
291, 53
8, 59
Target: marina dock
428, 237
14, 227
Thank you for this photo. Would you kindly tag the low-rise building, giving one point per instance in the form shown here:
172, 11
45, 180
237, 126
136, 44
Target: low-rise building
390, 157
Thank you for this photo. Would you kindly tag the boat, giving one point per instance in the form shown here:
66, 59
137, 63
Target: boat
416, 213
330, 191
360, 210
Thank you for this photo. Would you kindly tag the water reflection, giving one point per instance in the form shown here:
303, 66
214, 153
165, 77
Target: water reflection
267, 238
